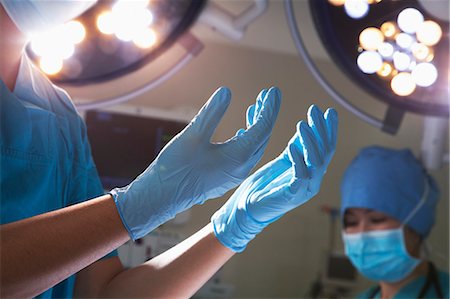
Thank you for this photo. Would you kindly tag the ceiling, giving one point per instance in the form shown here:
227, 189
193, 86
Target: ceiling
270, 31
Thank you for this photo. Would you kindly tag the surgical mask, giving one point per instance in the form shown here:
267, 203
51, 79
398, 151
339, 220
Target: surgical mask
382, 255
40, 15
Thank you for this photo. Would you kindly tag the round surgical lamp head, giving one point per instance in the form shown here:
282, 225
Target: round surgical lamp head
112, 39
398, 51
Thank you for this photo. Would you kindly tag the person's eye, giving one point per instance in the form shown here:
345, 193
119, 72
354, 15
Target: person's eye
378, 219
350, 223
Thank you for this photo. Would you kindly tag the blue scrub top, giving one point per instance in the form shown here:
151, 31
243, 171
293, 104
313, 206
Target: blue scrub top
412, 289
46, 162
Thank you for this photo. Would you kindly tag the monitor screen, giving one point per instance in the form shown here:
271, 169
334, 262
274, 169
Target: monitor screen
123, 145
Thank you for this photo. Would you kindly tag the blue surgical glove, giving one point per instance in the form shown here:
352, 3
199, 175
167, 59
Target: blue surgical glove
286, 182
191, 169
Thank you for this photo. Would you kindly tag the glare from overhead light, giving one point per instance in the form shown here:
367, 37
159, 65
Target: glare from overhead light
424, 74
386, 50
420, 51
369, 62
371, 38
389, 29
56, 43
409, 20
76, 31
356, 9
106, 23
403, 84
50, 65
145, 39
404, 40
401, 61
429, 33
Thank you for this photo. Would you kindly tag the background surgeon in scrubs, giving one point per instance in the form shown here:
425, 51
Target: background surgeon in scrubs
50, 232
388, 209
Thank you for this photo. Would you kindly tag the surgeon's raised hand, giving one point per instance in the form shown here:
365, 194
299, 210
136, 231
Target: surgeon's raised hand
191, 169
286, 182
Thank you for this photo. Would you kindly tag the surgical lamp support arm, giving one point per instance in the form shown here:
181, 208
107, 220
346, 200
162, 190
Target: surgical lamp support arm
232, 26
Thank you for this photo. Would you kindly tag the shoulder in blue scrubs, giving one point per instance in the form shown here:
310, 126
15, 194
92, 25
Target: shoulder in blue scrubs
414, 288
46, 162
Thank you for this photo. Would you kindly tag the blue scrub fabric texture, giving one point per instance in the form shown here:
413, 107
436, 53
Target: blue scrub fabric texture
392, 182
413, 288
46, 162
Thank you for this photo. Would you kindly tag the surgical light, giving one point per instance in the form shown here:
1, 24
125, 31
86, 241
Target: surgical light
369, 62
420, 51
409, 20
429, 33
401, 61
145, 38
386, 70
386, 50
337, 2
389, 29
424, 74
119, 36
404, 40
403, 84
356, 9
371, 39
75, 31
105, 22
51, 65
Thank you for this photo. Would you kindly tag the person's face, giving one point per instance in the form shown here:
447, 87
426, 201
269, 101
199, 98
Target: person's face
358, 220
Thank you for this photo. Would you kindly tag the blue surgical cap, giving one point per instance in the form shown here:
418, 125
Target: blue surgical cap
392, 182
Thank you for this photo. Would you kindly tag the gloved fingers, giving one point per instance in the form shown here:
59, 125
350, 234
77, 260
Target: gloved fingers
258, 134
301, 173
310, 145
317, 123
250, 115
239, 132
270, 205
271, 176
260, 99
209, 116
331, 119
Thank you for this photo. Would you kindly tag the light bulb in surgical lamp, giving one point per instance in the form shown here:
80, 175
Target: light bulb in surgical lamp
403, 84
75, 31
146, 38
356, 9
106, 23
50, 65
371, 38
386, 70
337, 2
424, 74
429, 33
389, 29
401, 61
420, 51
404, 40
369, 62
386, 50
409, 20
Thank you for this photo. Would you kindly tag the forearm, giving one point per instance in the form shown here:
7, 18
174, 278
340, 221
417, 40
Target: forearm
176, 273
39, 252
